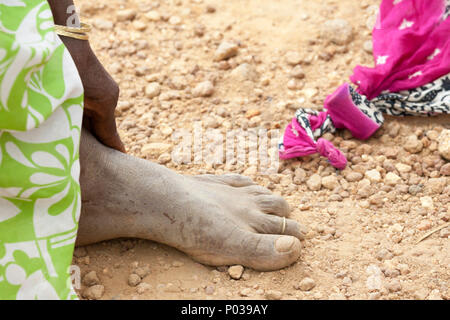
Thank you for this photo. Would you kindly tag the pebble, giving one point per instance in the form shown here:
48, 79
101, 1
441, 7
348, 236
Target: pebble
427, 203
91, 279
103, 24
127, 14
155, 149
314, 183
424, 225
152, 90
412, 144
394, 285
444, 144
209, 290
225, 51
330, 182
80, 252
353, 176
134, 280
204, 89
307, 284
392, 179
236, 272
445, 170
245, 292
434, 295
153, 15
94, 292
142, 272
273, 295
373, 175
245, 72
403, 168
384, 254
293, 58
368, 46
337, 31
415, 189
143, 287
297, 72
435, 186
175, 20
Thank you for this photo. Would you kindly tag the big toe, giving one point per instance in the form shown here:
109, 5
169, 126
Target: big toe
266, 252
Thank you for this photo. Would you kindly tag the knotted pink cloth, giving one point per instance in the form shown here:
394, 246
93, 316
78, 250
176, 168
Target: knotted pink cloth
411, 47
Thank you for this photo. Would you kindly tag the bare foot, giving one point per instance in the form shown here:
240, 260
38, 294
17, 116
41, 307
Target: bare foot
217, 220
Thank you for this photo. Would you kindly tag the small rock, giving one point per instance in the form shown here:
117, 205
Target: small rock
94, 292
384, 254
445, 170
204, 89
91, 279
424, 225
415, 189
373, 175
127, 14
273, 295
293, 58
245, 72
435, 186
245, 292
235, 272
412, 144
427, 203
314, 183
153, 15
142, 287
297, 72
337, 31
134, 280
226, 50
392, 179
368, 46
403, 168
434, 295
307, 284
175, 20
330, 182
142, 272
80, 252
209, 290
155, 149
353, 176
152, 90
394, 286
444, 144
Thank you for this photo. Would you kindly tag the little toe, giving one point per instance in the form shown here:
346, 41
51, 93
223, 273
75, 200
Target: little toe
256, 190
273, 204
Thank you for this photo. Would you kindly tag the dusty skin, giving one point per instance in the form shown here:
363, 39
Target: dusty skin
217, 220
362, 234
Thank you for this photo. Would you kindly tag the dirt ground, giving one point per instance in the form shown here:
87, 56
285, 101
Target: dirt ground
363, 229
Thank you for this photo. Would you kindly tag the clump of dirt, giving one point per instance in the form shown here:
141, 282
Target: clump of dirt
247, 64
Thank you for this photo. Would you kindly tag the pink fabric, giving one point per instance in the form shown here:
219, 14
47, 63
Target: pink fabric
406, 36
411, 47
297, 143
345, 114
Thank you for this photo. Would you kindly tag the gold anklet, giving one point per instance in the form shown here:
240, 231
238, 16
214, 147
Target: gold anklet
77, 33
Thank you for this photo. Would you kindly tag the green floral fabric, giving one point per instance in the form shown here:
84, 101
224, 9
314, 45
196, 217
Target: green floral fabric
41, 106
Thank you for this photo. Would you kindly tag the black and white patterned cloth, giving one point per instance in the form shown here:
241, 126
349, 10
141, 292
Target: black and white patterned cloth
429, 100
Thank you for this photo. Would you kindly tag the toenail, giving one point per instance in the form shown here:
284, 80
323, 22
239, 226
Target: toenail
284, 244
